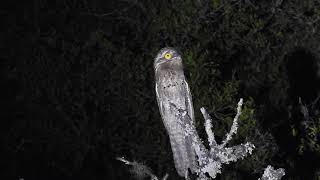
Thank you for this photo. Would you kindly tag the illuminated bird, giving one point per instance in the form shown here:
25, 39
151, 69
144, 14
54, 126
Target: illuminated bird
172, 90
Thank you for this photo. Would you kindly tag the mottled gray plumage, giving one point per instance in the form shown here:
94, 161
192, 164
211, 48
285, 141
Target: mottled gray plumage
173, 90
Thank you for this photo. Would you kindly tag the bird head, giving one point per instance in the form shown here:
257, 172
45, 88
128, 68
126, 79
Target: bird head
167, 55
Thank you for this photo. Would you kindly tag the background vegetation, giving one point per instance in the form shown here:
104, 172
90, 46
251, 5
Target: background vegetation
77, 87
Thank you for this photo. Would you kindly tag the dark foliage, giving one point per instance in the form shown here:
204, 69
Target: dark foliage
77, 86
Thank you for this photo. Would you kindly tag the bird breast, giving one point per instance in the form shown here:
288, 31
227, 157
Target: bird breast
172, 85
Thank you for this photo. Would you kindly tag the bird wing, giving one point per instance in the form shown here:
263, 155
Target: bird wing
159, 101
189, 101
190, 150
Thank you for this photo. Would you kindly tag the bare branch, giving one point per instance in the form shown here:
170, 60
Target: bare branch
140, 170
234, 126
208, 127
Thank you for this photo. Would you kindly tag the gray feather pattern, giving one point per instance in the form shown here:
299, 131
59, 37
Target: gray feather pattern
172, 88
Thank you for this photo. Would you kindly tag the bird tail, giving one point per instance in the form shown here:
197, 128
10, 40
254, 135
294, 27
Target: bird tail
183, 154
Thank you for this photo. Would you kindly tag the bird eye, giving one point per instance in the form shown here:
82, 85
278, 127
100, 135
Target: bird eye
168, 56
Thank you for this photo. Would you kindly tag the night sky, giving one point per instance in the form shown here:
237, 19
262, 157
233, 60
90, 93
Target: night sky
77, 84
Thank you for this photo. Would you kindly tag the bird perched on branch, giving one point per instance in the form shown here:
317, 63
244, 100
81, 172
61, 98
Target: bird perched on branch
172, 90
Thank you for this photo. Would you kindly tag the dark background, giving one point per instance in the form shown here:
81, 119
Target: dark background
77, 84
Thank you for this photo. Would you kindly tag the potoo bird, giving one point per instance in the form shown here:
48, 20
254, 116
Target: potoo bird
172, 90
